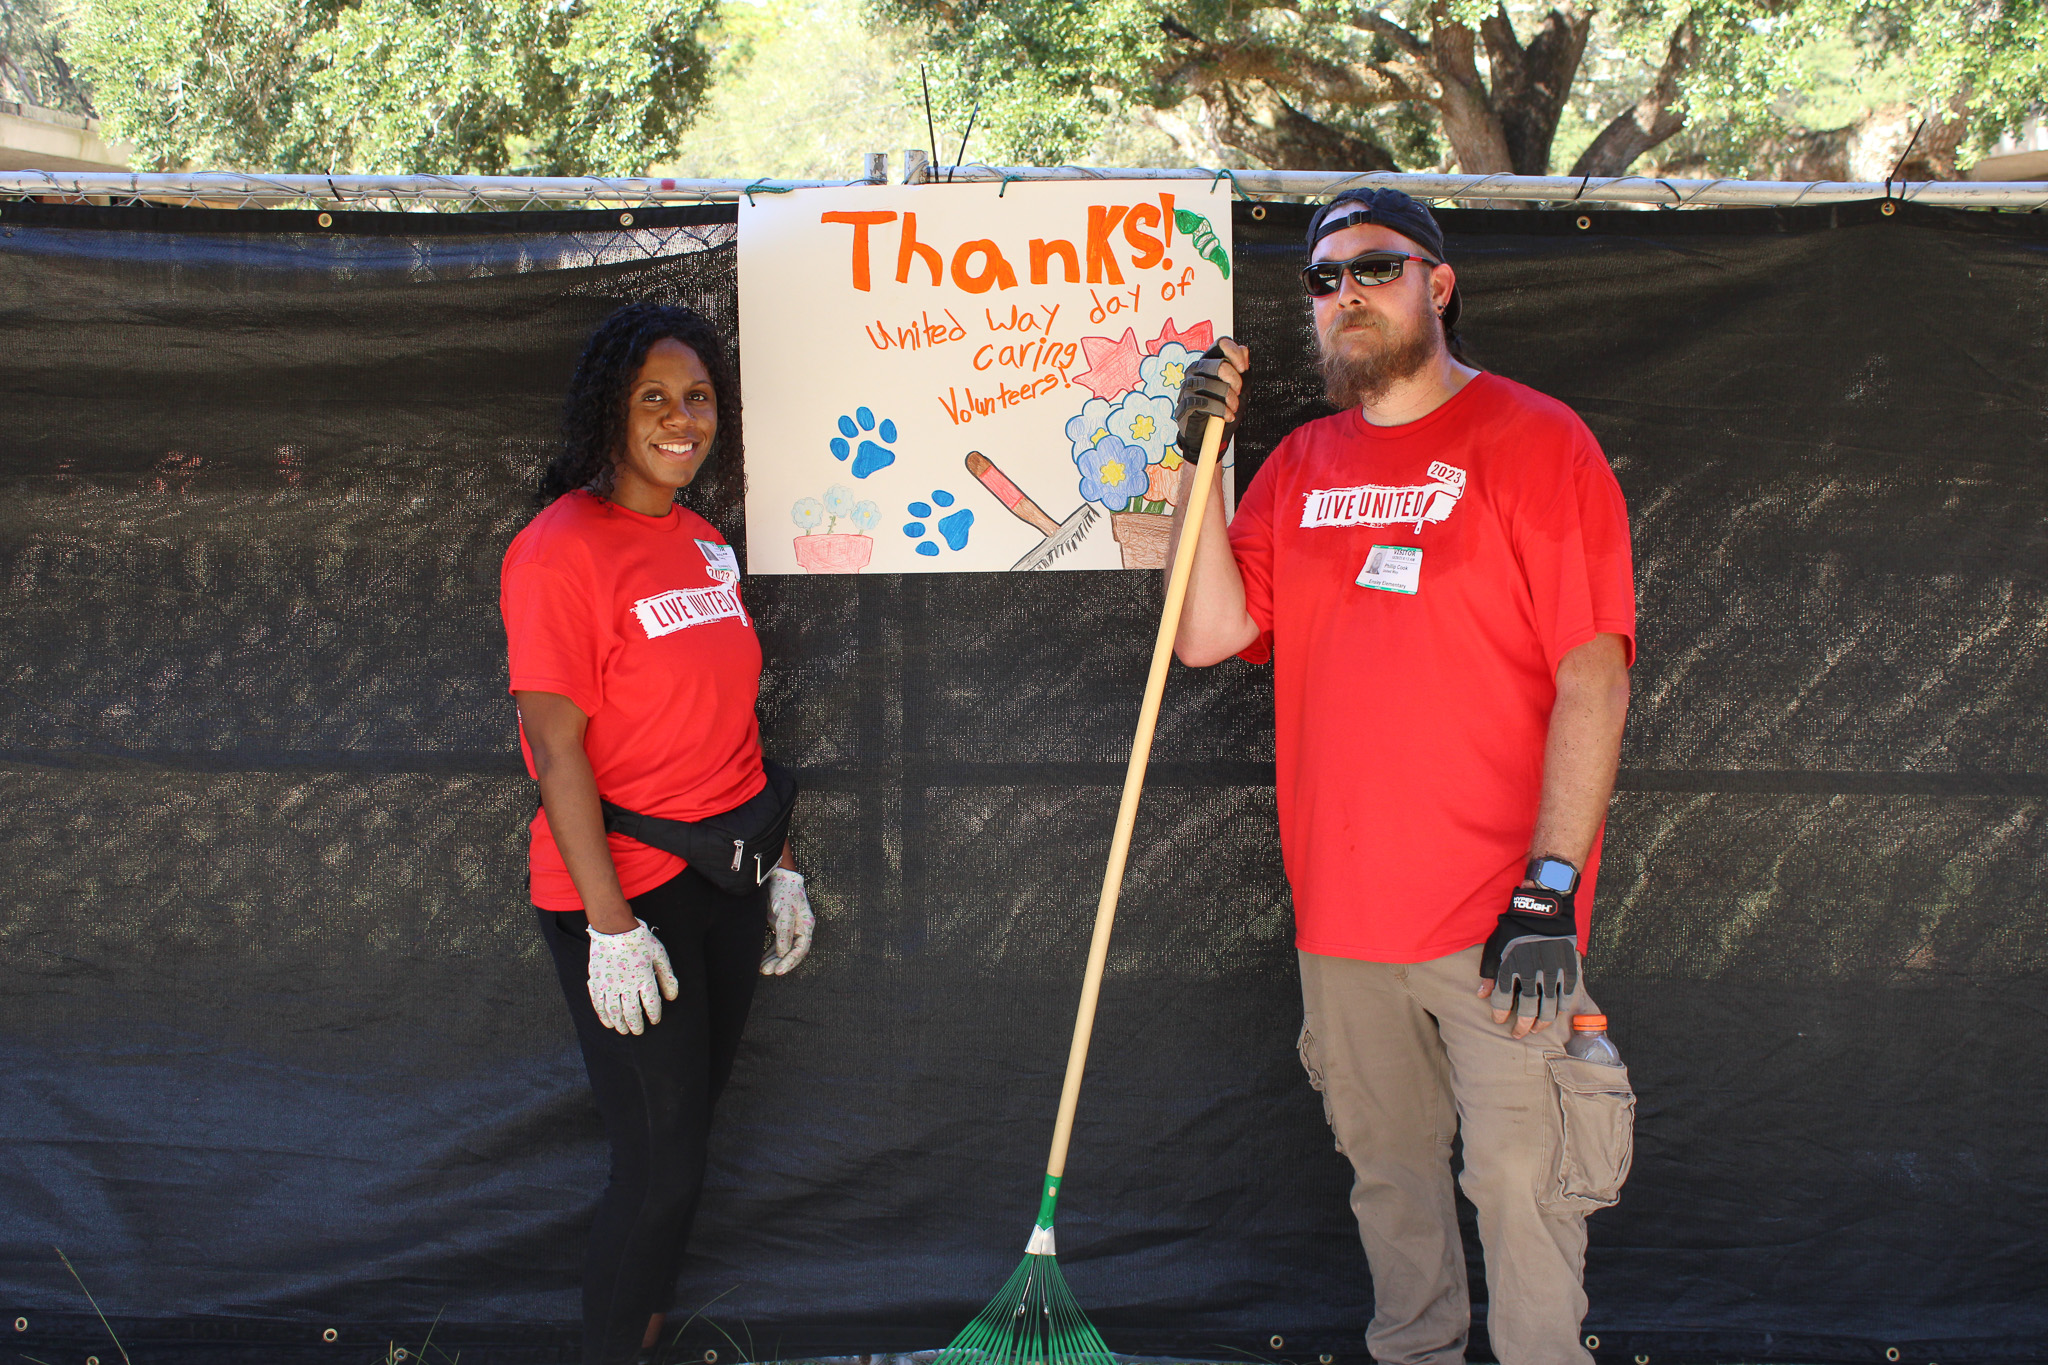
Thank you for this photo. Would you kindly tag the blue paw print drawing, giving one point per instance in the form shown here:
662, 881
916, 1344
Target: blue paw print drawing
870, 454
952, 528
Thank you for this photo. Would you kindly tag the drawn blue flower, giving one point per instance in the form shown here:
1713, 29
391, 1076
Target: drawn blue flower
866, 514
1112, 473
838, 504
1145, 420
1089, 425
1161, 374
807, 512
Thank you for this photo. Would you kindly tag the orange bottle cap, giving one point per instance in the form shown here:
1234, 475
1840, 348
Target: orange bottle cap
1589, 1023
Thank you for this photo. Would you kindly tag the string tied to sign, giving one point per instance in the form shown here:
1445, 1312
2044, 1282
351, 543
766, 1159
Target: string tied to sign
763, 187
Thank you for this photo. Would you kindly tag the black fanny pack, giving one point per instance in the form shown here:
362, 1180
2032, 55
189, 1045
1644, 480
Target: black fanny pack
734, 851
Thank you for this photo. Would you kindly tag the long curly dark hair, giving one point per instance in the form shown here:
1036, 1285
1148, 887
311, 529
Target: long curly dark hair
594, 413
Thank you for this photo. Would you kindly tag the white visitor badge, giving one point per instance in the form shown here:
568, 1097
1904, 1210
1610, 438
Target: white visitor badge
1392, 568
724, 563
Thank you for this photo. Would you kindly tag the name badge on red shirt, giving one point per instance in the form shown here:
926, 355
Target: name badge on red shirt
720, 561
1392, 568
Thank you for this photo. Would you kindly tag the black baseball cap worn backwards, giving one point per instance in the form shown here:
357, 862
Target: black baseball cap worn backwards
1388, 208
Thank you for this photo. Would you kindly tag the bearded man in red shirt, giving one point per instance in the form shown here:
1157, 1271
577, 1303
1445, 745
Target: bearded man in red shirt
1440, 576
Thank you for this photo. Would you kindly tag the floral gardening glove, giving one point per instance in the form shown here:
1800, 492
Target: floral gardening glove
794, 921
629, 973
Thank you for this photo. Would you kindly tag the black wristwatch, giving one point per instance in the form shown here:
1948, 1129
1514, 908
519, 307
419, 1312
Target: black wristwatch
1554, 874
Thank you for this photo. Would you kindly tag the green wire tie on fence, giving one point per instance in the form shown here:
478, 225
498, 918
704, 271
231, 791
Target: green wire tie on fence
1006, 184
1227, 174
765, 188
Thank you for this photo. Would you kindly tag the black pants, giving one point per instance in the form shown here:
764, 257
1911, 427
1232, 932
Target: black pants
656, 1092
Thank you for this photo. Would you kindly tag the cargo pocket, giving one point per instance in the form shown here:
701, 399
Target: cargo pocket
1599, 1139
1305, 1046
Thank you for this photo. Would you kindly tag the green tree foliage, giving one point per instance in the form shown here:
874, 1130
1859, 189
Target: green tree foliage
557, 87
1985, 61
1318, 84
800, 90
33, 68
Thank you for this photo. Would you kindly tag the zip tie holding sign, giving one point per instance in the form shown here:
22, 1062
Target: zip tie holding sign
1900, 164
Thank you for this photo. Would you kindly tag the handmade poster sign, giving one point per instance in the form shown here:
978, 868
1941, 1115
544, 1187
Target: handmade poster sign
961, 377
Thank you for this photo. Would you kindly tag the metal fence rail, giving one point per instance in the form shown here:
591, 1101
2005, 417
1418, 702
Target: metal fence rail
1555, 189
234, 189
429, 192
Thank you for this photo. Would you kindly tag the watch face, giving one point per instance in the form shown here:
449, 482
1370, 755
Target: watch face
1554, 874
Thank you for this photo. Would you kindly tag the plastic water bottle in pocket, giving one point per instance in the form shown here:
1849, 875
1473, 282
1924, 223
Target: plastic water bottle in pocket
1589, 1041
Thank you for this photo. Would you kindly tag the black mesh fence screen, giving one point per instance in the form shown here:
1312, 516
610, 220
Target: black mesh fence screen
282, 1052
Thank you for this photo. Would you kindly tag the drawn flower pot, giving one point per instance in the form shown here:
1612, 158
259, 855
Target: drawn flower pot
837, 552
1142, 537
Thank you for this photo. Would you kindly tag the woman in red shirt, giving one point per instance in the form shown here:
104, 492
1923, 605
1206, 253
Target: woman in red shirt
636, 669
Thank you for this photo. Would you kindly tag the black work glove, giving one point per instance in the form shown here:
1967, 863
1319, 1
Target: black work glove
1536, 947
1202, 396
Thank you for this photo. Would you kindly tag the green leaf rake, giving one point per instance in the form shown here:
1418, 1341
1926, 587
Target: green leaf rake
1034, 1319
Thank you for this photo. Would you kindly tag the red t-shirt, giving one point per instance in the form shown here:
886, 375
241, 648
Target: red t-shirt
638, 621
1411, 710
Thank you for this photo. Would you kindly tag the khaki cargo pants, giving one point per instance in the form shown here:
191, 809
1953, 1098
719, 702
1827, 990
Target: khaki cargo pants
1406, 1056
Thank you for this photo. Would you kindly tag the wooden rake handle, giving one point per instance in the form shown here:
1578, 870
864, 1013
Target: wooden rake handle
1134, 784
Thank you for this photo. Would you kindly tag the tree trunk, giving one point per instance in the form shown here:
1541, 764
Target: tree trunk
1470, 124
1530, 83
1650, 120
1471, 127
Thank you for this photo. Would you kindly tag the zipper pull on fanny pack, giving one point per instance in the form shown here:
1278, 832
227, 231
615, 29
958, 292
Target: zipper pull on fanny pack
758, 828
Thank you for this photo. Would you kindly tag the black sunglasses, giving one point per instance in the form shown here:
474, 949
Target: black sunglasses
1325, 278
